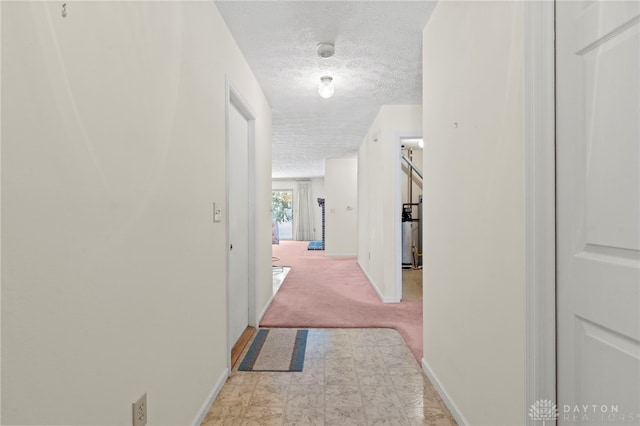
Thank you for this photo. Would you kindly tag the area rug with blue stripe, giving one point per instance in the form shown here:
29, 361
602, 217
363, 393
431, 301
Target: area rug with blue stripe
276, 349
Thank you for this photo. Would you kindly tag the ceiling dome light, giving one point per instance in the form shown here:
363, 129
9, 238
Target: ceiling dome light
326, 50
326, 87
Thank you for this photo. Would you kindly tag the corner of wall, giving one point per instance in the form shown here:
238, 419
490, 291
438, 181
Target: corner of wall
446, 398
382, 297
215, 391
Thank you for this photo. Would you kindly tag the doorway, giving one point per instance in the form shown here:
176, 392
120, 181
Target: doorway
410, 207
240, 219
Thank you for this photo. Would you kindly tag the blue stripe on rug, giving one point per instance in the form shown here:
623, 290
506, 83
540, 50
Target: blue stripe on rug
254, 351
299, 349
296, 363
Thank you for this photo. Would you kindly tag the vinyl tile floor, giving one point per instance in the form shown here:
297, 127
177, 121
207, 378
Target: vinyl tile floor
412, 284
350, 377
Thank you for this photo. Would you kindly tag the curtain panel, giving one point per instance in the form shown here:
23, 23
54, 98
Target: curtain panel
303, 213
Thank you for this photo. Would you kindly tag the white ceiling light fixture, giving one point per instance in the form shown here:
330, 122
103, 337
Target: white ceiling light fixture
326, 88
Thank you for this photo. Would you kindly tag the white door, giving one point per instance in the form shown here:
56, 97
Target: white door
238, 217
598, 202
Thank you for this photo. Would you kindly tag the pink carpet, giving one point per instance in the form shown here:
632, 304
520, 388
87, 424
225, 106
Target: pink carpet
324, 292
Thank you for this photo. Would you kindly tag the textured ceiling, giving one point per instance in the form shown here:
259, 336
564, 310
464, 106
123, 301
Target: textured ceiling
378, 61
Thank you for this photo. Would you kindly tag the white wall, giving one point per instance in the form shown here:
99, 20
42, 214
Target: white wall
113, 273
341, 201
379, 202
317, 191
474, 328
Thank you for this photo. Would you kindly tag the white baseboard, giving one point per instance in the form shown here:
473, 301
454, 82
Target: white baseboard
264, 311
212, 396
453, 408
375, 287
341, 254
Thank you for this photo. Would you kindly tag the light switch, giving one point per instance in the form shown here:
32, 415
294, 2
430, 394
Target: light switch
217, 213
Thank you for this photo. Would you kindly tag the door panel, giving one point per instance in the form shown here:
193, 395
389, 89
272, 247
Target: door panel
238, 217
598, 209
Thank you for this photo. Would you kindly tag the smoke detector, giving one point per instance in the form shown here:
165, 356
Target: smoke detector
326, 50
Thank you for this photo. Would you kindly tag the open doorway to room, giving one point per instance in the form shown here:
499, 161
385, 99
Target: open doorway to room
281, 230
296, 217
411, 196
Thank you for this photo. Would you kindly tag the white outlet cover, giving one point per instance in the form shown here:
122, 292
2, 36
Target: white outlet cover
139, 411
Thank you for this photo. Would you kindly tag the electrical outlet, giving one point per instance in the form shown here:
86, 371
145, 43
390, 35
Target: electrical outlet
140, 411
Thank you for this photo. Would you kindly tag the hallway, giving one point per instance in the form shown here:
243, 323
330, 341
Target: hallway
116, 221
355, 376
350, 377
321, 291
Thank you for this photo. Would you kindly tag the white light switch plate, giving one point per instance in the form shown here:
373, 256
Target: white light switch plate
217, 213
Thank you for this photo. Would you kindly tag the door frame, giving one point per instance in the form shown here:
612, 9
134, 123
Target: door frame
234, 99
540, 205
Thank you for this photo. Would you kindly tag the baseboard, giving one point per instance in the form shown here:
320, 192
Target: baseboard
202, 413
341, 254
453, 408
264, 311
375, 287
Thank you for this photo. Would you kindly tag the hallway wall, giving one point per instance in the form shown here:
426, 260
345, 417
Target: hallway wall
379, 200
113, 151
474, 322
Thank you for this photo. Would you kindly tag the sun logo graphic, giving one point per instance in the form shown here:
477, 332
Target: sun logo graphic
544, 410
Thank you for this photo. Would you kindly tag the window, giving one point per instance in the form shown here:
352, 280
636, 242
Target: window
282, 212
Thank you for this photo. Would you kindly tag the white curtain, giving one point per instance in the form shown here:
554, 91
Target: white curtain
303, 213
